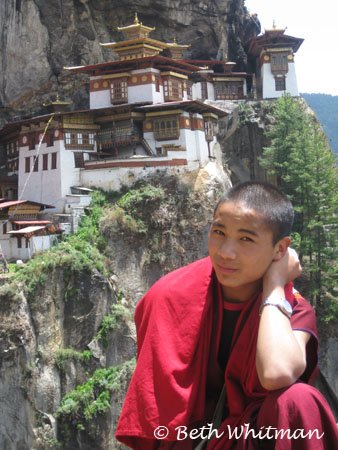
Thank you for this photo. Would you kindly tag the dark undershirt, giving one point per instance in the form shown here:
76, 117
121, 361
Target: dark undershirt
221, 340
230, 318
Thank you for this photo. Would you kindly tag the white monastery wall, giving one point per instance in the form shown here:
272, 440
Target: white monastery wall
70, 174
113, 178
268, 80
43, 186
196, 91
99, 99
141, 93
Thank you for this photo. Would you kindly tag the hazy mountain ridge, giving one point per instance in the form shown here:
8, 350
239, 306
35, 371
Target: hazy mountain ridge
326, 108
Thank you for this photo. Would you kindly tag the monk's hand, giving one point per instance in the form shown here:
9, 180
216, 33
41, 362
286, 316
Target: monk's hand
284, 270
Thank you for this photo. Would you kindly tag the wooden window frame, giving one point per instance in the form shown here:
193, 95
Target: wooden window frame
27, 164
204, 90
119, 91
166, 128
78, 160
54, 161
280, 84
172, 89
209, 129
45, 161
228, 90
36, 164
79, 140
279, 63
50, 139
31, 142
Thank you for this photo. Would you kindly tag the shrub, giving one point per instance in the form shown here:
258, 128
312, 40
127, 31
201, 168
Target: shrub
119, 316
68, 354
93, 397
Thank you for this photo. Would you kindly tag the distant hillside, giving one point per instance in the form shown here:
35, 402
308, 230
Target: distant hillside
326, 108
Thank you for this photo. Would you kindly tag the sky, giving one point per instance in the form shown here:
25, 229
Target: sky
314, 21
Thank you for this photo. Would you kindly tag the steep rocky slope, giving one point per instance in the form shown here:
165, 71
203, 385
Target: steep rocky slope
39, 38
66, 325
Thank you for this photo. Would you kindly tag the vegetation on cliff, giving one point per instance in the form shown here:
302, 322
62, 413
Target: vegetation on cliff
305, 170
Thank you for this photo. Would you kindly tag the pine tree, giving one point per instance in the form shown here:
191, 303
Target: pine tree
304, 168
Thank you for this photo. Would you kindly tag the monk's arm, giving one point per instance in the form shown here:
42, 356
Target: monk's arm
281, 352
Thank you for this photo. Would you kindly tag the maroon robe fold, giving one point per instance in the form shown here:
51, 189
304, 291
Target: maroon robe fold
174, 324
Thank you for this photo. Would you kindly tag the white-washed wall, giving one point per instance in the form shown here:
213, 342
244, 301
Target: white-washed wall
43, 186
269, 90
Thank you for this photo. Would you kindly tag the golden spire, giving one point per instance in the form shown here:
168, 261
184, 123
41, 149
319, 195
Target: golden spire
136, 21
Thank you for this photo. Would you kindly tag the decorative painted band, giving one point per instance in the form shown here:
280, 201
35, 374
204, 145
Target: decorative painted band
152, 163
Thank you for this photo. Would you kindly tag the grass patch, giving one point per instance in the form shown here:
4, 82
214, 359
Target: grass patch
93, 398
68, 354
119, 316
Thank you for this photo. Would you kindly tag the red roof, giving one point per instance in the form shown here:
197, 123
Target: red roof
19, 202
121, 64
193, 105
31, 222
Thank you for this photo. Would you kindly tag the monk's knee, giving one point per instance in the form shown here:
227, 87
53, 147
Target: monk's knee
291, 400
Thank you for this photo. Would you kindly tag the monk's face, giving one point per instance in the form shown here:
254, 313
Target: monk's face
241, 249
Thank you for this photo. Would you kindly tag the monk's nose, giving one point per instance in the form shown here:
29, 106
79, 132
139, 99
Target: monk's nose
227, 250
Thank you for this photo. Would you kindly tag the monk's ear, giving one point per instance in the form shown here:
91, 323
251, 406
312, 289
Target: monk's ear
281, 248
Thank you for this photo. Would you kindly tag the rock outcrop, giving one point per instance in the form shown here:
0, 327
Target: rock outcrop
39, 38
64, 325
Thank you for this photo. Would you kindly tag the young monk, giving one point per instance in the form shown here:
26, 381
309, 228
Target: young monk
226, 346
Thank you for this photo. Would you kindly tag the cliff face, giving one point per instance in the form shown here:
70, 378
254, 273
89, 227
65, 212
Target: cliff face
35, 326
39, 38
66, 327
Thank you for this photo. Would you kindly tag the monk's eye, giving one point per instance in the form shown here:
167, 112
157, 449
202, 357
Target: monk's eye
246, 239
218, 232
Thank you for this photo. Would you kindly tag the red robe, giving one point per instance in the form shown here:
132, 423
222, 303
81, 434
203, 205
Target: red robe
174, 324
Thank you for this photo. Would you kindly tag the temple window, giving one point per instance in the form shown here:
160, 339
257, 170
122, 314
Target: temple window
204, 90
209, 130
78, 160
36, 164
77, 140
166, 128
50, 139
68, 139
228, 90
53, 161
173, 89
189, 90
31, 143
279, 63
280, 84
27, 165
119, 91
45, 161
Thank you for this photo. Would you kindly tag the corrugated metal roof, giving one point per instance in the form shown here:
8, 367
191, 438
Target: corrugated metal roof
27, 230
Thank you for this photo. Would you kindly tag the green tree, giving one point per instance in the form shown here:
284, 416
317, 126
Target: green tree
304, 168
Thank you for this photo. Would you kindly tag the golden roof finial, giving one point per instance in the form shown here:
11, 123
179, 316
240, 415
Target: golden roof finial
136, 21
175, 40
57, 99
